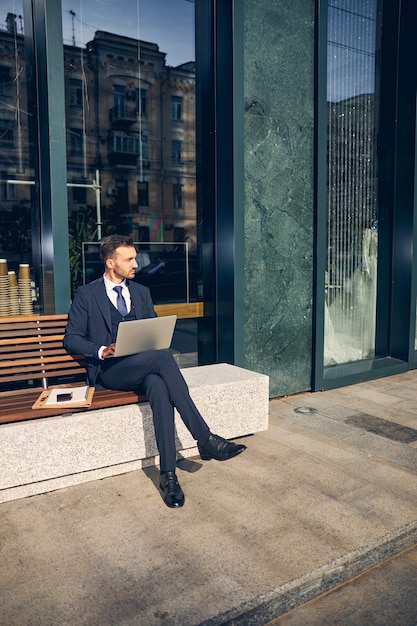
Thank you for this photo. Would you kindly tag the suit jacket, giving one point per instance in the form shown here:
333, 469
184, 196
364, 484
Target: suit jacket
89, 320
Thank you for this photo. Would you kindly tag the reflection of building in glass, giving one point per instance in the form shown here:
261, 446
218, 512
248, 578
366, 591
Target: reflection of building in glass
15, 146
133, 118
129, 117
352, 182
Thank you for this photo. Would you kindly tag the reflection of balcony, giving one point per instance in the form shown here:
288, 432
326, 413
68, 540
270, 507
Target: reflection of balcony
126, 159
122, 117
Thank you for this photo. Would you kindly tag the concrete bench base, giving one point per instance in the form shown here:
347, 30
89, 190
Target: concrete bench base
47, 454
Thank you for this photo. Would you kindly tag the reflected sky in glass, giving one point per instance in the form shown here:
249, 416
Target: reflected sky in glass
168, 23
351, 48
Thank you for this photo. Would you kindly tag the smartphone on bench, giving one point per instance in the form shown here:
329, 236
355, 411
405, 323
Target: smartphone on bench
64, 397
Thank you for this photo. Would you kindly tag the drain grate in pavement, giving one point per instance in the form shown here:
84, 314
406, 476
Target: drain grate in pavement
305, 409
385, 428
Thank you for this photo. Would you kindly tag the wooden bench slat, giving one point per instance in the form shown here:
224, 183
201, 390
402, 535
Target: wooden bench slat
31, 347
49, 319
41, 368
34, 338
183, 310
10, 378
14, 322
18, 335
41, 360
16, 354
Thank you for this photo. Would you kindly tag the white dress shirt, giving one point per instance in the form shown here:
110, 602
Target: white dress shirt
112, 295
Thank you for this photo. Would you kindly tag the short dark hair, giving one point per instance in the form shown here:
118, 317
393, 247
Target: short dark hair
110, 244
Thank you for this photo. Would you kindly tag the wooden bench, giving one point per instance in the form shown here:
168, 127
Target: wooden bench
32, 358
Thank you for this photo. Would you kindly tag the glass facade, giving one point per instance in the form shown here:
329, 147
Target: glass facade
105, 110
352, 180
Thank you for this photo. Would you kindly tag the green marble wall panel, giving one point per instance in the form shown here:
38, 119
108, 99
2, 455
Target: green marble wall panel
279, 190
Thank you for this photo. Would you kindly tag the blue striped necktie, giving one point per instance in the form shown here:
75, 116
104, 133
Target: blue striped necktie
120, 302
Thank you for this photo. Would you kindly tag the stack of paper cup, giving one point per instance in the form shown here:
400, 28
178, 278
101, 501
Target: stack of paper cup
25, 291
4, 289
13, 294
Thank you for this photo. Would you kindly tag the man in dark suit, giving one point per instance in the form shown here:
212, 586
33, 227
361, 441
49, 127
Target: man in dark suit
93, 319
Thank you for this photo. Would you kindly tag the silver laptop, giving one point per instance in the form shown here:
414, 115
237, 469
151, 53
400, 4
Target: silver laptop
154, 333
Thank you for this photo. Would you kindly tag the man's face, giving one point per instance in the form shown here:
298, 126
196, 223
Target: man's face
123, 264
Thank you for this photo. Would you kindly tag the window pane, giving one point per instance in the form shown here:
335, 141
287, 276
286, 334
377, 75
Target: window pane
17, 175
352, 234
176, 107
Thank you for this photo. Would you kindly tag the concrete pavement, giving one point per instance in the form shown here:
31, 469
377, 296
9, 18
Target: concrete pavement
326, 493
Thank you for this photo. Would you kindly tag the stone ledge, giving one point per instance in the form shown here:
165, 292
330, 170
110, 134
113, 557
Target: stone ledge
276, 602
47, 454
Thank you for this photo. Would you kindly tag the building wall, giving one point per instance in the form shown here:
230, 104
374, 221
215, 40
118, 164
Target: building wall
279, 190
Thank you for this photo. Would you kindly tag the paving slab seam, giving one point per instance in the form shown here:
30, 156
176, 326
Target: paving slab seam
269, 605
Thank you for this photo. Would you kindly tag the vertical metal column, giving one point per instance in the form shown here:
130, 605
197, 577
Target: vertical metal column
49, 63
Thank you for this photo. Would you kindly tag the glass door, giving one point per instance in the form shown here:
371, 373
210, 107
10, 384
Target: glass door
351, 275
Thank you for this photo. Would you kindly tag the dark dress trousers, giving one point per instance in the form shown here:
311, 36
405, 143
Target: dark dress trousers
154, 372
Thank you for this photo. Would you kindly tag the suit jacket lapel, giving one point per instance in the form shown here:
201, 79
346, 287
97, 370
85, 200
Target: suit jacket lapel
103, 301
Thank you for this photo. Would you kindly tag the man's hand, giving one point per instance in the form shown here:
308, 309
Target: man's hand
109, 351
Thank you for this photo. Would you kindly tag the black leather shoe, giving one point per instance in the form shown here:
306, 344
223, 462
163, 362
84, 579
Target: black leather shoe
173, 494
218, 448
